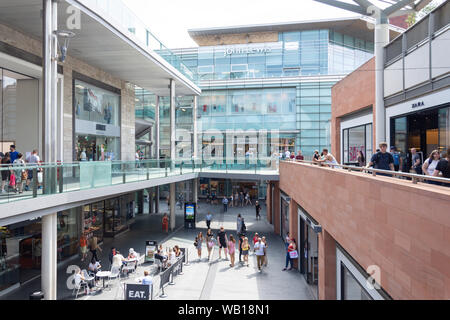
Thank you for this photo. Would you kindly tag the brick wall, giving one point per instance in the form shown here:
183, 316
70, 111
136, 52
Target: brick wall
353, 93
236, 38
401, 227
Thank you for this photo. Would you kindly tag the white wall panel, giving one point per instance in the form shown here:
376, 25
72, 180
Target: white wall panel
417, 66
393, 78
440, 47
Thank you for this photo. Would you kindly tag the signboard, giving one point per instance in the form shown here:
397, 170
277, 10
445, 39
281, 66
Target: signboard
137, 291
189, 215
150, 250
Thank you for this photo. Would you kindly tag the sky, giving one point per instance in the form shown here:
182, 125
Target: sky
169, 20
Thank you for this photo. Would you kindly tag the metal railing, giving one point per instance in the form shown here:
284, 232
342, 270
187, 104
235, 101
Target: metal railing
415, 178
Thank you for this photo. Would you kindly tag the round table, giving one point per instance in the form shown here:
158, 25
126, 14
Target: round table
103, 274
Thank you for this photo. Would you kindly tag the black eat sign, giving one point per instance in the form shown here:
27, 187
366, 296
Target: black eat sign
137, 292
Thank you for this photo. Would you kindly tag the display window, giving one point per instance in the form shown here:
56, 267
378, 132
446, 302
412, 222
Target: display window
357, 139
67, 233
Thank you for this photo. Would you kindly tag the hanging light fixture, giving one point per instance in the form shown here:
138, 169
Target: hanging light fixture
63, 37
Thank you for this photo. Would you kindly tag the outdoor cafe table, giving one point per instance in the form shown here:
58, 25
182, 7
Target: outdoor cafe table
103, 274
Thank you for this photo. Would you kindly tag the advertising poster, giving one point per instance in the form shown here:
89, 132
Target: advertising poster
150, 250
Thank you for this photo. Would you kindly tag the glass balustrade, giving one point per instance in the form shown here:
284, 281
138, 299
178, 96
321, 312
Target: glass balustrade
34, 181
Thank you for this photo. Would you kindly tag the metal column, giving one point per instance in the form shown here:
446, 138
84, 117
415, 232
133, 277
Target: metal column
194, 129
172, 197
150, 200
195, 190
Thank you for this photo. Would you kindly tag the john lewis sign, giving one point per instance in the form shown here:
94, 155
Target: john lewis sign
246, 50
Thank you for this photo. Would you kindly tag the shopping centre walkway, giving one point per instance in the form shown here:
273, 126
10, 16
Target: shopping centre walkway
201, 280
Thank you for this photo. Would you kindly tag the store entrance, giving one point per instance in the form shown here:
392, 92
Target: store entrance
425, 131
96, 148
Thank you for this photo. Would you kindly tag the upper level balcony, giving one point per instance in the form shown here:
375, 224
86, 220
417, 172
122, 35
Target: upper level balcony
395, 224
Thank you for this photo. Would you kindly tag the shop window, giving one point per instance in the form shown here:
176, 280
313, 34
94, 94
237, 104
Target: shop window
351, 289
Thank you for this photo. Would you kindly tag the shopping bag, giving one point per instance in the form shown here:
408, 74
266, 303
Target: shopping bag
39, 177
293, 254
12, 180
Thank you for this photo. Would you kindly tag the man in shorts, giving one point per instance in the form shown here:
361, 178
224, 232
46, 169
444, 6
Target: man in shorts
222, 241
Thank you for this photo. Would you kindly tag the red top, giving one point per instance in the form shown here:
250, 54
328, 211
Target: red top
291, 247
255, 239
299, 157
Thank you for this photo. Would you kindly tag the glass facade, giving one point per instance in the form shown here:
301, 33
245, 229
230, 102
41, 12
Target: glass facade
357, 139
296, 53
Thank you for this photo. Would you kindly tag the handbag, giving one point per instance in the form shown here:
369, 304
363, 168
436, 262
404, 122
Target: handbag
40, 177
293, 254
24, 175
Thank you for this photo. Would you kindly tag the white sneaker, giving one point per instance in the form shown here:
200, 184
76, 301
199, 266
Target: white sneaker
3, 191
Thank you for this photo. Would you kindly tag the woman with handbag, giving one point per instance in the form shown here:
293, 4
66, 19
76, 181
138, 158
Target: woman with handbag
291, 253
5, 170
198, 244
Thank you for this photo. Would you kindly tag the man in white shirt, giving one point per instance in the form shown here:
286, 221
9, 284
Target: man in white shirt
287, 154
260, 249
32, 160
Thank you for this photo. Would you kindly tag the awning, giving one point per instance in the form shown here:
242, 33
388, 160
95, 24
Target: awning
102, 45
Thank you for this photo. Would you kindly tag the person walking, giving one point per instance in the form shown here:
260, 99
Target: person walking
241, 241
247, 199
260, 251
13, 154
429, 165
291, 248
255, 240
236, 199
231, 200
208, 220
112, 253
33, 160
232, 249
258, 210
397, 159
238, 224
241, 198
165, 223
6, 172
245, 250
443, 167
416, 161
263, 239
222, 242
243, 227
198, 244
225, 204
21, 173
83, 247
94, 247
209, 242
361, 160
382, 160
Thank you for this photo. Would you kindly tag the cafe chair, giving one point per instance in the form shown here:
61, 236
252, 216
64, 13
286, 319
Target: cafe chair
79, 284
87, 276
129, 267
115, 274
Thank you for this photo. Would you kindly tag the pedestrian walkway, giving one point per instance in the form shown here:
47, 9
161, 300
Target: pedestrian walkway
202, 280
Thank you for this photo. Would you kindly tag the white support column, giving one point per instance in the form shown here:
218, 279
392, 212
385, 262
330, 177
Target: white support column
381, 39
172, 123
172, 197
48, 257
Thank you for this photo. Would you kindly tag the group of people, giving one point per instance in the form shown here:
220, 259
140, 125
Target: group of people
229, 246
169, 256
234, 200
17, 172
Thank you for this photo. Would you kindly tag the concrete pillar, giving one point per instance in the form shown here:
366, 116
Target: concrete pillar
49, 256
327, 266
172, 124
172, 197
195, 190
157, 199
381, 39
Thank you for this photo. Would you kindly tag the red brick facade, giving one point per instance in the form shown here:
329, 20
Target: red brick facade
353, 93
403, 228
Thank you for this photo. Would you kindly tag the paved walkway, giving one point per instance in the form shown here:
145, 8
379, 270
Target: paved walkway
202, 280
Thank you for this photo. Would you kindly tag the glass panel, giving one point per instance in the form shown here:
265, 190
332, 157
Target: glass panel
352, 289
369, 138
345, 140
444, 128
67, 233
356, 142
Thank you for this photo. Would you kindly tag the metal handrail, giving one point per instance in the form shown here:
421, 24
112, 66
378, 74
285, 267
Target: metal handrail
414, 177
